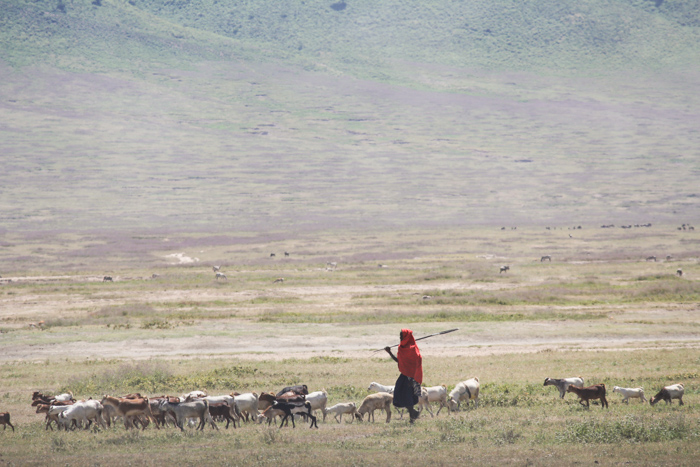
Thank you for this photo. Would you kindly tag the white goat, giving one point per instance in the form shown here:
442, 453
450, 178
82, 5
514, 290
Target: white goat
66, 397
376, 387
464, 391
433, 394
247, 403
193, 395
668, 393
563, 384
318, 401
83, 411
627, 393
339, 409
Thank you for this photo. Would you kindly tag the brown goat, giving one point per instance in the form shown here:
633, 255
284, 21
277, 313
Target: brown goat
5, 420
596, 391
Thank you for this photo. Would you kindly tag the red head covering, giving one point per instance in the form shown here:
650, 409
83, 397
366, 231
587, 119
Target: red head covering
410, 360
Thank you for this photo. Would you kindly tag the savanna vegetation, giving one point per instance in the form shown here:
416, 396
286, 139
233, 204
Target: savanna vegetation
401, 152
623, 321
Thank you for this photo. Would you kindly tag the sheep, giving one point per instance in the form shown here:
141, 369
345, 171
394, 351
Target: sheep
378, 401
627, 393
563, 384
668, 393
339, 409
433, 394
464, 391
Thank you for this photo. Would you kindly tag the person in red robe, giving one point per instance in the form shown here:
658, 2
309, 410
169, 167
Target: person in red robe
407, 388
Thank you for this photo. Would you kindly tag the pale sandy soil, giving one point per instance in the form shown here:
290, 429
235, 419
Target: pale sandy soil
671, 327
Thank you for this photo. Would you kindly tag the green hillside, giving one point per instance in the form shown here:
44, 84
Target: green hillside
212, 114
359, 36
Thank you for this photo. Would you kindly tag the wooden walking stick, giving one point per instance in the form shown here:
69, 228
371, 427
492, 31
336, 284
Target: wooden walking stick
424, 337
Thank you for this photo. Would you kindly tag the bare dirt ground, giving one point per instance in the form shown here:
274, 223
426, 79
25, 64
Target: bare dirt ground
249, 339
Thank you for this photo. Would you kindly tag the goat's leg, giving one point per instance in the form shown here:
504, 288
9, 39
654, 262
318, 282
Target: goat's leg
313, 421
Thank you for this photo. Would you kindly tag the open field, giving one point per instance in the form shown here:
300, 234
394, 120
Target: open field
598, 310
401, 153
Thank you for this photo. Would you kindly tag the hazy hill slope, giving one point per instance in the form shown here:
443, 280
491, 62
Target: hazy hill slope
197, 115
357, 36
513, 34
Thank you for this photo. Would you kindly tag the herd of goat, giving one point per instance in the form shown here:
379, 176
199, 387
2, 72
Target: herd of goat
199, 409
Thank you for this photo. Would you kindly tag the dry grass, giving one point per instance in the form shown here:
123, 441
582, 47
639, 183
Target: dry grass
618, 321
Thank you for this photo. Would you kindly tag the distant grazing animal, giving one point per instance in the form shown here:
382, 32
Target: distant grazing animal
216, 268
331, 265
546, 257
272, 255
591, 392
107, 279
679, 272
286, 253
651, 258
5, 420
627, 393
674, 391
281, 279
155, 276
221, 275
563, 384
504, 269
668, 258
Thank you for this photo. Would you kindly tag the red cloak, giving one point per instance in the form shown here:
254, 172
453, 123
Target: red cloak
410, 360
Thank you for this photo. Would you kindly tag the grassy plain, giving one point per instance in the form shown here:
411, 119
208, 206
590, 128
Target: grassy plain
598, 310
